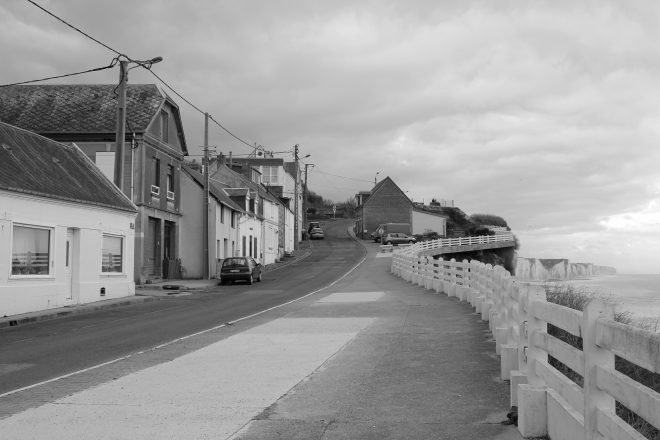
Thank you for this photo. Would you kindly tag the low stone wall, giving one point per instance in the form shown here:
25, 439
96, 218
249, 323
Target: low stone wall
542, 269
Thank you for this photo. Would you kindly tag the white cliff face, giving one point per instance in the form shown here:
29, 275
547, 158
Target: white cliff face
536, 269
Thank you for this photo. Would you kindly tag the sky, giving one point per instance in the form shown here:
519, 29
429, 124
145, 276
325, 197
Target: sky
546, 113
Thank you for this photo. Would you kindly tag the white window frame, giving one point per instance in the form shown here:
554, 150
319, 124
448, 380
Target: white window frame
51, 251
123, 254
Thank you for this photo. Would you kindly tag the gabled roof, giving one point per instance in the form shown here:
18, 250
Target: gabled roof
82, 109
382, 183
33, 164
237, 192
218, 193
238, 180
47, 109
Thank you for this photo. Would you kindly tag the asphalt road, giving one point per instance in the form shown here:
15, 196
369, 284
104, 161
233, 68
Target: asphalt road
34, 353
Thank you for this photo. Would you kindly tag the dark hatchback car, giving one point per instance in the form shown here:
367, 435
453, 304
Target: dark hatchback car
240, 269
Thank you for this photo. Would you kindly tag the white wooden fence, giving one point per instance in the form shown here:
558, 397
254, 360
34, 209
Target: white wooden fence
518, 315
459, 241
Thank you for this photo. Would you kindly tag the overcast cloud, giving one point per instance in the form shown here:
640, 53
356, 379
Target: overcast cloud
546, 113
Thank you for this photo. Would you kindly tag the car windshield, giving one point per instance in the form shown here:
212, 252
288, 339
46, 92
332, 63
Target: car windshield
231, 262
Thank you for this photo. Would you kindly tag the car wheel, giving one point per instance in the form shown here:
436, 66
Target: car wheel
388, 243
250, 280
410, 241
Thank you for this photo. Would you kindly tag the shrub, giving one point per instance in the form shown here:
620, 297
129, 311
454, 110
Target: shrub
489, 219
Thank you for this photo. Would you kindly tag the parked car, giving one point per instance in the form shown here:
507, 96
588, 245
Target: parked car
312, 225
395, 238
316, 234
240, 269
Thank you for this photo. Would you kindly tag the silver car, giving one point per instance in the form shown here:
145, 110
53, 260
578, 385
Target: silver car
395, 238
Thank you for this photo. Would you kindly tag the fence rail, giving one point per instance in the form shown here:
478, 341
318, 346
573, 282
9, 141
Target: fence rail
428, 245
549, 403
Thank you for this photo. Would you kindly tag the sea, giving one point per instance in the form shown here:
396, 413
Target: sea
637, 294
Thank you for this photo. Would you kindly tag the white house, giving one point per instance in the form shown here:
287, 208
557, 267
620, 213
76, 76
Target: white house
425, 221
224, 217
66, 231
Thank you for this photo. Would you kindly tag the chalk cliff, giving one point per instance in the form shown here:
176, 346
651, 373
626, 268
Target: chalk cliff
540, 269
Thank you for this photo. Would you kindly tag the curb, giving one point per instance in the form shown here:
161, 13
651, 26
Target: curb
47, 315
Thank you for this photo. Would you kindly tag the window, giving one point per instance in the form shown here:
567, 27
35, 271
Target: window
170, 182
222, 214
111, 254
164, 126
170, 178
233, 221
269, 175
155, 182
30, 254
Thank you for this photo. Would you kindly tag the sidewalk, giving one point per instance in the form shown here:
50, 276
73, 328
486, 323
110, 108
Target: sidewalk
143, 293
371, 357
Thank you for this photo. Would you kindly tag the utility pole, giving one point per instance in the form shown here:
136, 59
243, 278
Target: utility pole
121, 125
295, 202
305, 192
205, 223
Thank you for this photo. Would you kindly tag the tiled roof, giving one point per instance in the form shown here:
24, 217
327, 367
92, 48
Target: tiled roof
49, 109
218, 193
33, 164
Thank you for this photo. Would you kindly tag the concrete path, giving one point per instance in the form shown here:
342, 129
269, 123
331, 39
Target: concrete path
372, 357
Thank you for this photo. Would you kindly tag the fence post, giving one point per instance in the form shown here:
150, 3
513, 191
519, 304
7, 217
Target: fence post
532, 403
595, 356
519, 376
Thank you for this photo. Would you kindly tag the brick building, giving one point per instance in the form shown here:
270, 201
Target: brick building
385, 203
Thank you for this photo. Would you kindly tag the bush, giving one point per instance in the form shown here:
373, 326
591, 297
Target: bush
489, 219
569, 296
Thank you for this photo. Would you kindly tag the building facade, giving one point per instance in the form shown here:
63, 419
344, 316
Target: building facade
82, 250
154, 148
385, 203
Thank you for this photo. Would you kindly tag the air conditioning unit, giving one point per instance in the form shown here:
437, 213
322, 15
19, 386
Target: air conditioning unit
155, 190
170, 195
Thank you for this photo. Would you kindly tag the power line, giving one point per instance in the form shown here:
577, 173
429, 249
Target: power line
111, 65
76, 29
343, 177
148, 67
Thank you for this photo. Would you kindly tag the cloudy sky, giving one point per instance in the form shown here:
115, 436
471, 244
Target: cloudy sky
546, 113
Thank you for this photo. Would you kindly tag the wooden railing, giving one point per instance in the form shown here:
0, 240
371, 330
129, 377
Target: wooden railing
459, 241
549, 403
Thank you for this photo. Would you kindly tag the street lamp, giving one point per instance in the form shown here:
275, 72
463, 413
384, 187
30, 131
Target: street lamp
121, 115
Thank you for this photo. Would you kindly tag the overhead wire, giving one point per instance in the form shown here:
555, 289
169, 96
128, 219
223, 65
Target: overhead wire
96, 69
143, 64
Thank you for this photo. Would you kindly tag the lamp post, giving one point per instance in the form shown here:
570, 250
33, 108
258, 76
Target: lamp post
121, 116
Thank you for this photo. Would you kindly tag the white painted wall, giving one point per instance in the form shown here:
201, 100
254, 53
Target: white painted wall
249, 225
270, 247
423, 222
27, 294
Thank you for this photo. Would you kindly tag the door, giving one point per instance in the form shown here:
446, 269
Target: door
68, 265
152, 247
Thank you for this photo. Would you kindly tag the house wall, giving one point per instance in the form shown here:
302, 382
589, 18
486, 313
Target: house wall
191, 253
423, 222
387, 205
270, 232
249, 227
27, 294
224, 236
